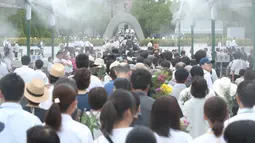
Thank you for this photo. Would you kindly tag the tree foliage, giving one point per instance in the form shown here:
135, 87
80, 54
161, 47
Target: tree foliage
152, 15
37, 28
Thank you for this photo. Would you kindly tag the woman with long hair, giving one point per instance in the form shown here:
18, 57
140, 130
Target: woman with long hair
116, 117
59, 116
215, 112
165, 121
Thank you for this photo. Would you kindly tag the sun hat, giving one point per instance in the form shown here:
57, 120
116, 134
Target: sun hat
57, 70
114, 64
99, 62
36, 91
141, 66
224, 85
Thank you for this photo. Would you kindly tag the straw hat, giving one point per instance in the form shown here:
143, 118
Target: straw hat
36, 91
224, 85
57, 70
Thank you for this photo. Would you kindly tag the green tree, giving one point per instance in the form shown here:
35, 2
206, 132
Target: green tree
152, 15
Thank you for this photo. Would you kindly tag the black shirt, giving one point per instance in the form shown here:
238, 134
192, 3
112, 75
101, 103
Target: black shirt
39, 112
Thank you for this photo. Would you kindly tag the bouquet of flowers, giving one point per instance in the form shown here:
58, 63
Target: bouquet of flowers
160, 84
184, 124
101, 72
230, 101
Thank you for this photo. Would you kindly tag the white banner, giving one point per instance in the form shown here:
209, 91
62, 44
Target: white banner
52, 20
213, 12
28, 9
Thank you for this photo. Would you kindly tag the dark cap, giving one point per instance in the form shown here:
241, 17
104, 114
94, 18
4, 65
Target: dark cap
205, 60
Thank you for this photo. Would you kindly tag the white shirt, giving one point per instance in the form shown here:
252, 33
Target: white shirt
26, 73
233, 43
16, 48
194, 111
209, 137
57, 60
239, 80
41, 75
118, 136
243, 114
49, 66
95, 82
208, 78
177, 90
219, 44
228, 43
3, 69
17, 122
73, 132
214, 75
175, 137
237, 65
46, 104
149, 44
8, 63
185, 95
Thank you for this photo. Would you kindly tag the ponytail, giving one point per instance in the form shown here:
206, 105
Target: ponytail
108, 117
218, 128
53, 117
113, 110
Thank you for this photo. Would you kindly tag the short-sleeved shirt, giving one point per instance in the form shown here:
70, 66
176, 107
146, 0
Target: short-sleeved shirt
26, 73
118, 136
73, 132
237, 65
83, 102
209, 137
109, 87
41, 75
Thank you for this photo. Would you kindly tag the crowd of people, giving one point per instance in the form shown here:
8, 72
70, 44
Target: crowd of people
111, 99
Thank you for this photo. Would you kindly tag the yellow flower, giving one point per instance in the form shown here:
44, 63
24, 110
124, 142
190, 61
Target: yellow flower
166, 89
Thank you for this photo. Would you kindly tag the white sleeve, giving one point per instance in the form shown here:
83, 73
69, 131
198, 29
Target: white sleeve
233, 66
208, 79
186, 111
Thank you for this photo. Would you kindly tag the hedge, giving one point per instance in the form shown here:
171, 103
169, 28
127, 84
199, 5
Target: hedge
161, 42
187, 42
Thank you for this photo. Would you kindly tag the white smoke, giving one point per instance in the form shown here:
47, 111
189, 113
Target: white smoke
192, 10
67, 12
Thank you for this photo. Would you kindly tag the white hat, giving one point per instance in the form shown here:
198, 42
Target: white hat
223, 85
91, 58
99, 62
141, 66
114, 64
